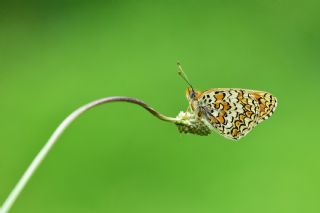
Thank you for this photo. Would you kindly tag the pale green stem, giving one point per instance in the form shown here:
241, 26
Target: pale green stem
56, 134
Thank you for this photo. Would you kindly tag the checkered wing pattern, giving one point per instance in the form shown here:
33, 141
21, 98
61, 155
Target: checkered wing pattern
235, 112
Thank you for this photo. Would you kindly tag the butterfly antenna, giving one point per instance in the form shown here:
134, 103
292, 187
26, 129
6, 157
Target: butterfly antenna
183, 75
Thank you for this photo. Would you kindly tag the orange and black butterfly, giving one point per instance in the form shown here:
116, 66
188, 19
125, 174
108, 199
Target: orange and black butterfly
231, 112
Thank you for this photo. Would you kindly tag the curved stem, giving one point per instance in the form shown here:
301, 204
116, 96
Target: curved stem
56, 134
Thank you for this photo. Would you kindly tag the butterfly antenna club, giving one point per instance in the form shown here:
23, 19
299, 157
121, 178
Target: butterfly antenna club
183, 75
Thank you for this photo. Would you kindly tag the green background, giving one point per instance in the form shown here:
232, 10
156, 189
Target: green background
58, 55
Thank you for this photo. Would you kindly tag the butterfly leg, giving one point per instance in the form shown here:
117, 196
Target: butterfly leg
189, 109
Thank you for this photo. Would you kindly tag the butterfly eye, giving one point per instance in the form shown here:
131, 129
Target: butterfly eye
192, 94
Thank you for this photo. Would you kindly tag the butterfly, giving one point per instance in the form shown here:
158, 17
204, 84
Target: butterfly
232, 112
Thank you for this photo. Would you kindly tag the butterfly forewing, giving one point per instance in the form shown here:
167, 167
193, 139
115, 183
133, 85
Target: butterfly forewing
234, 112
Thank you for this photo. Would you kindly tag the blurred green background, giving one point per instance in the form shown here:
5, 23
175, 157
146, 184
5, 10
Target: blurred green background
57, 55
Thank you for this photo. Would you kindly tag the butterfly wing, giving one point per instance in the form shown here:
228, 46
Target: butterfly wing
267, 104
232, 112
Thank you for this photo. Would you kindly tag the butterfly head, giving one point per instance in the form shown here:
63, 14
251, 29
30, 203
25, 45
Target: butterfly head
192, 97
191, 94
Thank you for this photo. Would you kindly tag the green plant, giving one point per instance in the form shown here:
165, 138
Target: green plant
185, 122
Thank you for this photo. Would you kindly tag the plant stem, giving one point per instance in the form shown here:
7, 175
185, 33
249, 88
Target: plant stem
57, 133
